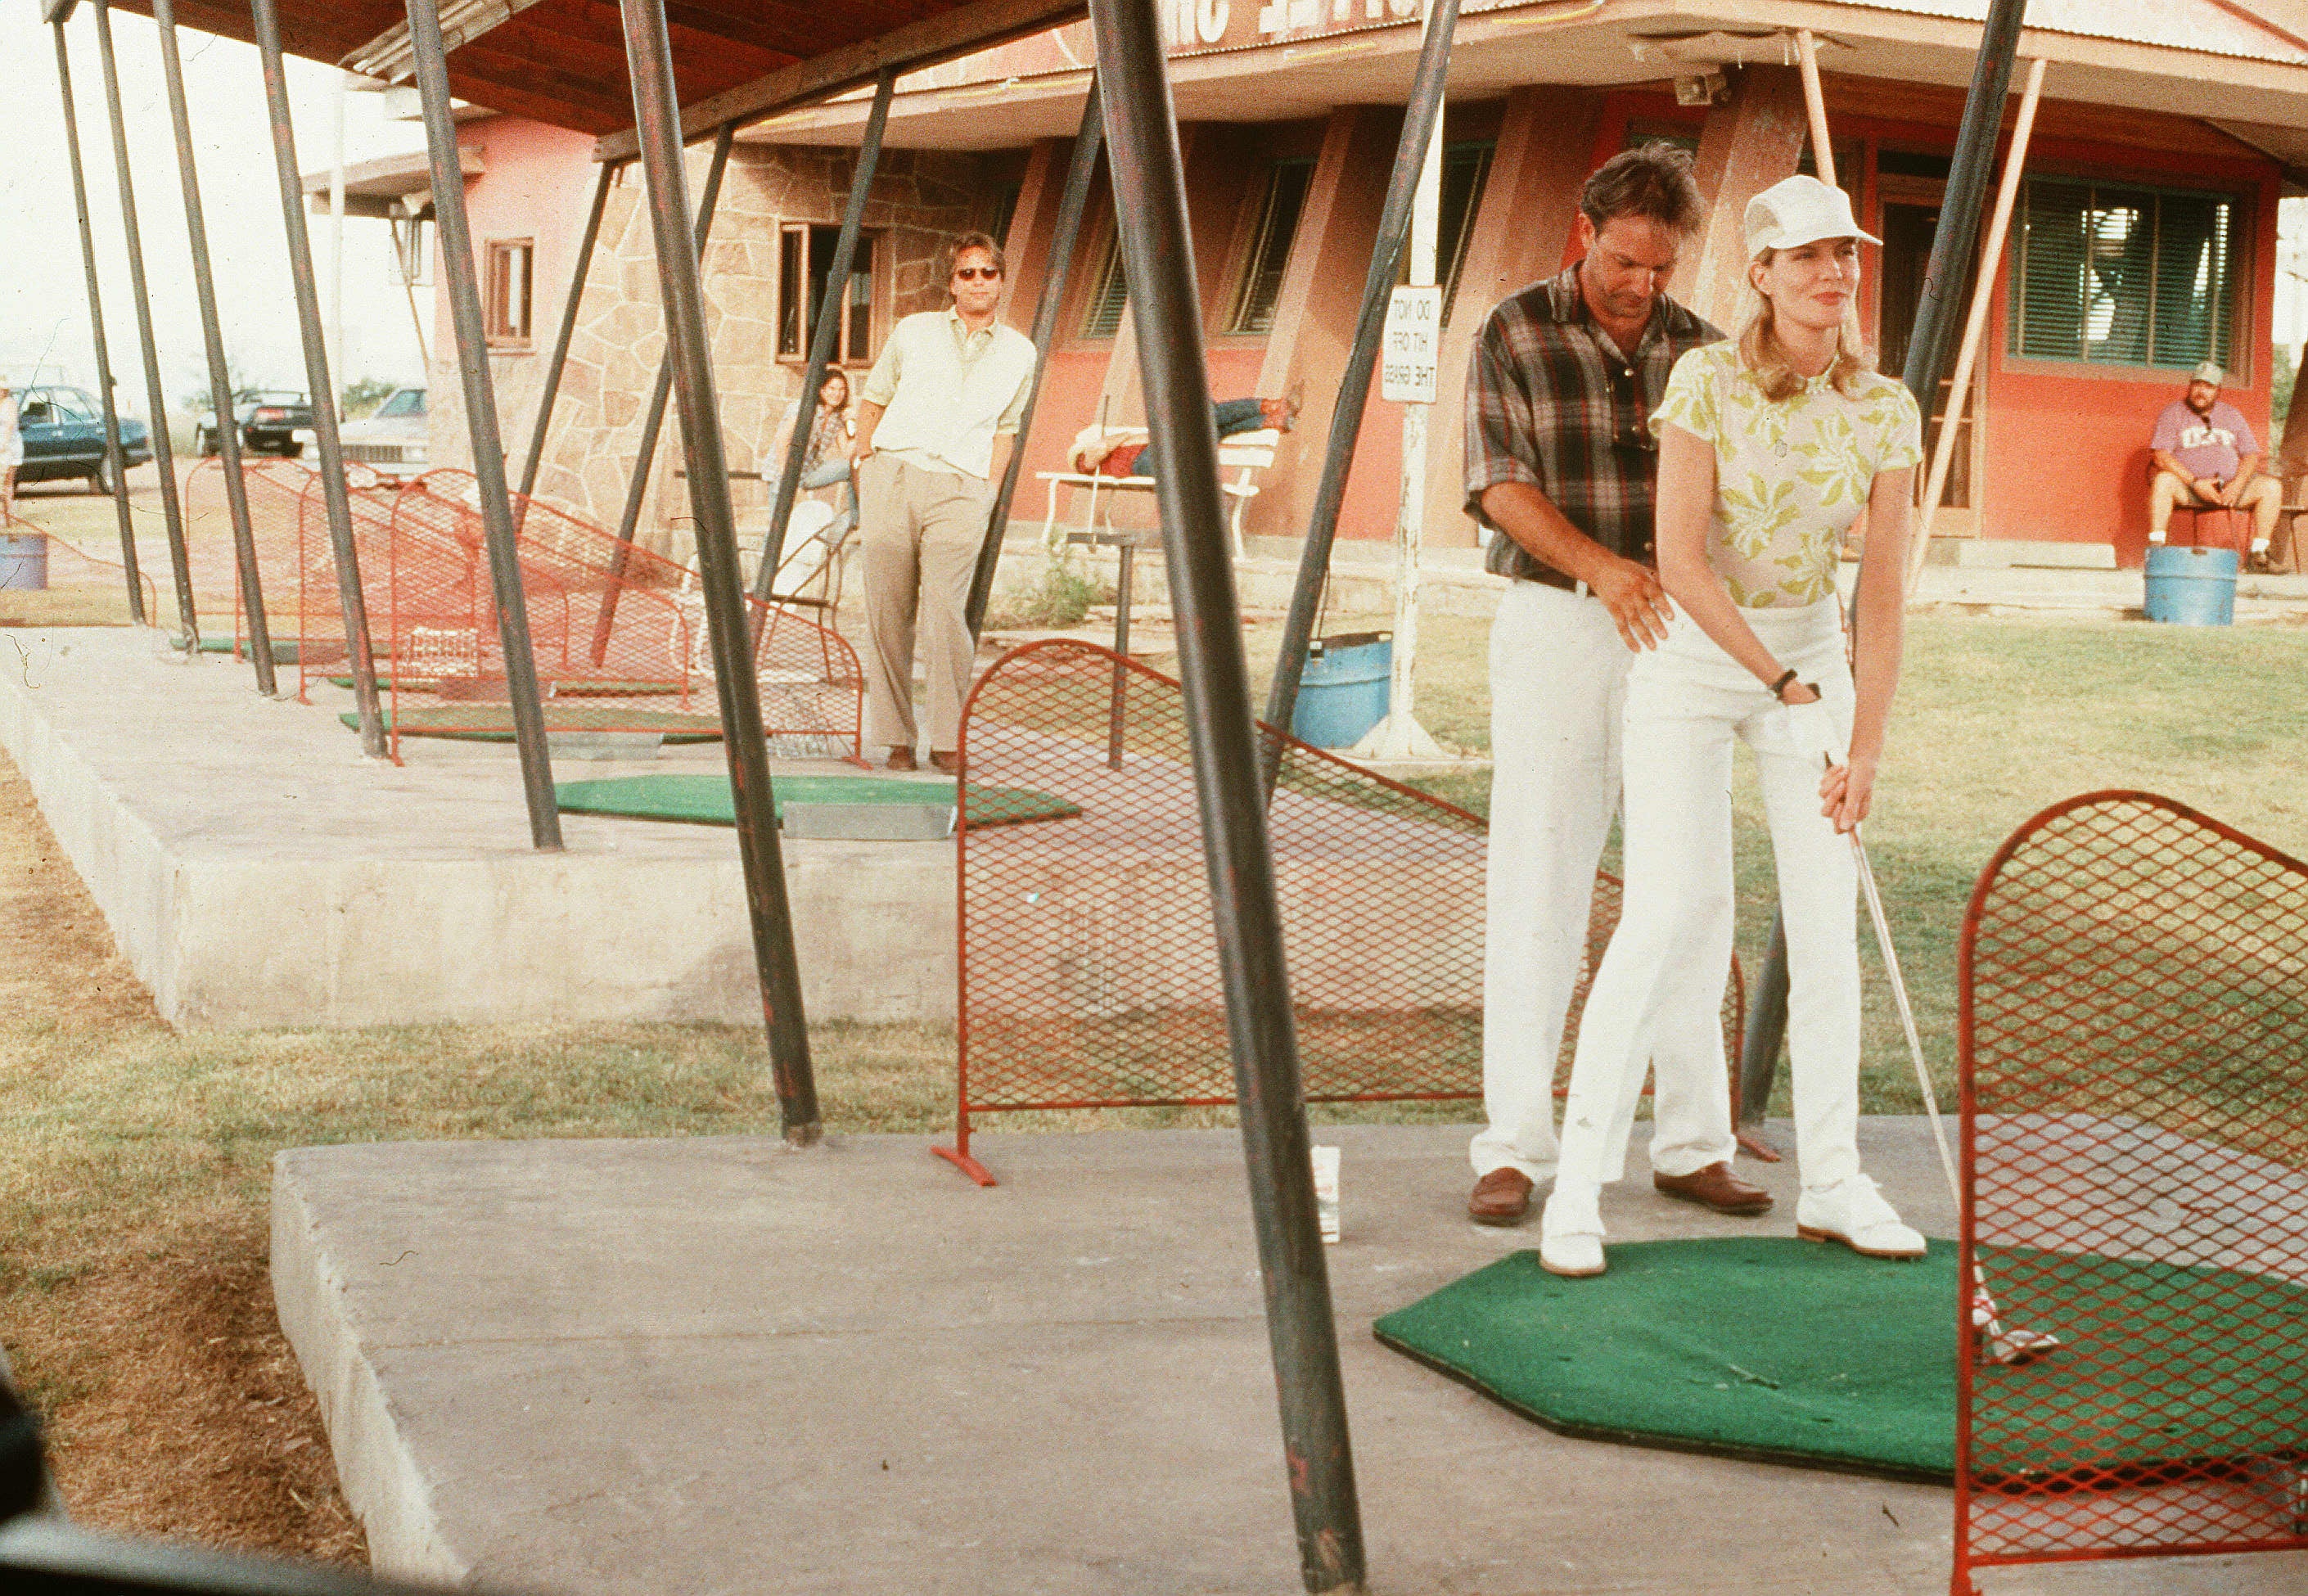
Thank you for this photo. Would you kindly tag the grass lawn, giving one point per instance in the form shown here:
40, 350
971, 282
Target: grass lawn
133, 1160
1995, 719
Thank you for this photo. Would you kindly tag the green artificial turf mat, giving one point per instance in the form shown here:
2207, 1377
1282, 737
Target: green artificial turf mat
285, 650
493, 722
704, 799
1794, 1352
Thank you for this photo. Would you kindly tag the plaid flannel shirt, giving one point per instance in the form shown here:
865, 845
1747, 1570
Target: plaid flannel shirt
1551, 402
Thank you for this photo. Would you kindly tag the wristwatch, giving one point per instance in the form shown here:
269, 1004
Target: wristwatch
1787, 679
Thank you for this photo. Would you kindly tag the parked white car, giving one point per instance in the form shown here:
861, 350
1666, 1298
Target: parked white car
393, 434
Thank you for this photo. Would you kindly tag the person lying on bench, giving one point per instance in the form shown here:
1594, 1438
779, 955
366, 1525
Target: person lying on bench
1099, 451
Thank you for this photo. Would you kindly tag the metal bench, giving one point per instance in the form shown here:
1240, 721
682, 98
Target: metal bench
1245, 454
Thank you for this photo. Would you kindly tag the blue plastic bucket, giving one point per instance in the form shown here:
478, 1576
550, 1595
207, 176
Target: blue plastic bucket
23, 561
1343, 693
2191, 587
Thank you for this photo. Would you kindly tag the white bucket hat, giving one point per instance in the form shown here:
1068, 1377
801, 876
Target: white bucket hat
1799, 209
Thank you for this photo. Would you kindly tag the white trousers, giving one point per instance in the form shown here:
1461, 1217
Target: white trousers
1558, 686
1671, 956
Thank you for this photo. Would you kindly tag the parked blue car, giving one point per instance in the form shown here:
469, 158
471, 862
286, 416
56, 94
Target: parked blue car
64, 436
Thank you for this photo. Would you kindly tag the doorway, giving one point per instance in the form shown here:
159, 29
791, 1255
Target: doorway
1911, 215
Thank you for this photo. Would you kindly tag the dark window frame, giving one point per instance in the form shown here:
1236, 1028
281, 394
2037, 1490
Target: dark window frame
1266, 260
799, 289
510, 301
2227, 236
1109, 292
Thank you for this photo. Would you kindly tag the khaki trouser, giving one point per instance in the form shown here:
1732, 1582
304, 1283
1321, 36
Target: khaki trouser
921, 531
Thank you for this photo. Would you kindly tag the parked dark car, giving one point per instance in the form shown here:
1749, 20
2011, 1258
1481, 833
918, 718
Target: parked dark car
268, 419
64, 436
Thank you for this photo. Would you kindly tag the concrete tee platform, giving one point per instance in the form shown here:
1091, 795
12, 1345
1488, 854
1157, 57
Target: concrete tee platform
258, 871
717, 1366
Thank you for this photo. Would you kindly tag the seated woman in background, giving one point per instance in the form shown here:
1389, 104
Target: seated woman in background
1099, 451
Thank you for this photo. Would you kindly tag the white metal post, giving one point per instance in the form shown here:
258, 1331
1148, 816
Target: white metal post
1400, 737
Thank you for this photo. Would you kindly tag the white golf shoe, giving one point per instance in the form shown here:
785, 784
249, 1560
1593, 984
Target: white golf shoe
1855, 1214
1570, 1234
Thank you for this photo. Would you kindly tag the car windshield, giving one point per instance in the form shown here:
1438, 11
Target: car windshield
408, 402
61, 404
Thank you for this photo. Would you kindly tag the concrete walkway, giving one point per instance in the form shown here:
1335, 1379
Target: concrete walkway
714, 1366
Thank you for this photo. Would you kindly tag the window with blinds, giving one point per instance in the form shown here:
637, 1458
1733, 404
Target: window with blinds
1465, 167
1108, 295
2122, 275
806, 255
1278, 226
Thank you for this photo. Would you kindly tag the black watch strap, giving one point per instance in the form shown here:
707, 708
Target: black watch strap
1779, 687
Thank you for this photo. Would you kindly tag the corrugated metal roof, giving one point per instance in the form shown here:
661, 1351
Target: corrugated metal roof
2206, 26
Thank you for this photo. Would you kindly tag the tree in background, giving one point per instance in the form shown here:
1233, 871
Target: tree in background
362, 397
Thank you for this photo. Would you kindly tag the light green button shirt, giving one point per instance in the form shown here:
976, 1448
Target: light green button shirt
1790, 476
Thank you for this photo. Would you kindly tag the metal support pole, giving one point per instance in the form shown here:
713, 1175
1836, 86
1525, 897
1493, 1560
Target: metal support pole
568, 329
1952, 243
1158, 254
1418, 120
116, 461
235, 490
1071, 203
431, 60
828, 328
653, 419
656, 115
172, 512
319, 379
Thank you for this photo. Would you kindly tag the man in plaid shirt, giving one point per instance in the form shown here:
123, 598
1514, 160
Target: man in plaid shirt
1561, 468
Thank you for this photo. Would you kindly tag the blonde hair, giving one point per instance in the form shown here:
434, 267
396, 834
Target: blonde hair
1762, 354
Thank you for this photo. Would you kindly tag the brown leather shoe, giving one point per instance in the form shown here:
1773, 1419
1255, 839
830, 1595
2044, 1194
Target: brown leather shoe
902, 759
1501, 1197
940, 760
1717, 1188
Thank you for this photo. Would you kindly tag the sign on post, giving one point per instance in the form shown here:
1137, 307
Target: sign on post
1414, 326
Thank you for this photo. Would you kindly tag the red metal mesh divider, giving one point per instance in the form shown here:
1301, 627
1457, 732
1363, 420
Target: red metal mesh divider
275, 488
322, 654
1088, 961
619, 638
2133, 983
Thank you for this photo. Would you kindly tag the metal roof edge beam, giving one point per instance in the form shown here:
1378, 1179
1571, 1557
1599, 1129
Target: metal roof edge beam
649, 64
1150, 193
456, 241
961, 31
388, 56
114, 461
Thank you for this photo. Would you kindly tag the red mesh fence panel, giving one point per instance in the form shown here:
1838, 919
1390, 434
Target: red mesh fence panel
618, 633
275, 490
322, 652
2134, 982
1089, 960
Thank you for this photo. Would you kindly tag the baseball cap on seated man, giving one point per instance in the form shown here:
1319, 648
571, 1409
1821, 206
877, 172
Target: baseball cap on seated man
1800, 210
2209, 371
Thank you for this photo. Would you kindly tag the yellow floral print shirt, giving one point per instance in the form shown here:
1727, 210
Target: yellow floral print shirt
1790, 477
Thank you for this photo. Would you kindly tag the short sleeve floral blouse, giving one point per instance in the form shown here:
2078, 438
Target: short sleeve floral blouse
1790, 476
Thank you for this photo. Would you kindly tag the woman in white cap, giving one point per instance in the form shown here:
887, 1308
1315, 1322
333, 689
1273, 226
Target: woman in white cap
1771, 446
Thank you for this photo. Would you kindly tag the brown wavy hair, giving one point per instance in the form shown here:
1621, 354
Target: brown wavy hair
1762, 354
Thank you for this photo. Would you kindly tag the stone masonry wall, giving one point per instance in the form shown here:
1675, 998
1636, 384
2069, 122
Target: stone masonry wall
919, 198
